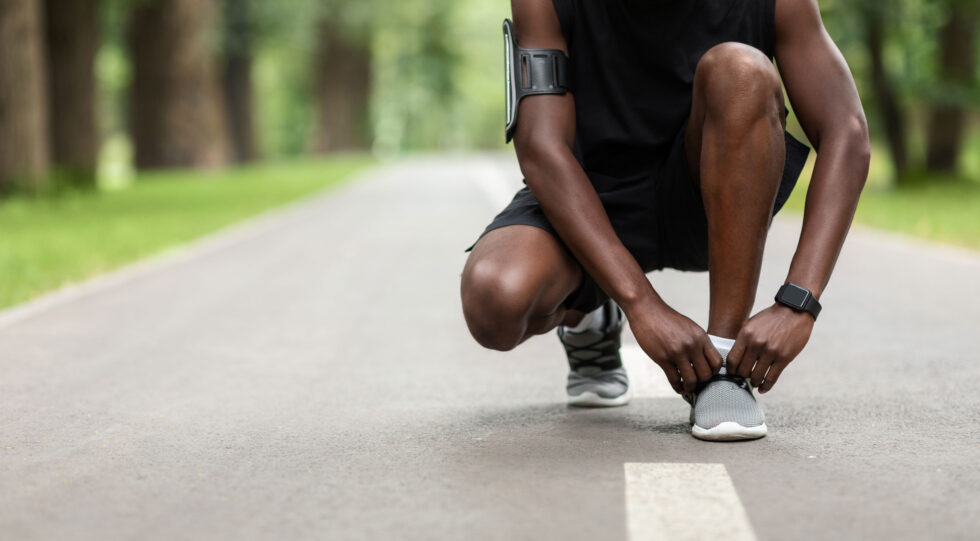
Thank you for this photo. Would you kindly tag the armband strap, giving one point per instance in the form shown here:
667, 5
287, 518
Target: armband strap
529, 72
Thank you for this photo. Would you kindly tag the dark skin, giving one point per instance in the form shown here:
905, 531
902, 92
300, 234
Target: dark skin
517, 277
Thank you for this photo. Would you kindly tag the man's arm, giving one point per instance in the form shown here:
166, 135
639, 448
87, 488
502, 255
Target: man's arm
825, 98
543, 140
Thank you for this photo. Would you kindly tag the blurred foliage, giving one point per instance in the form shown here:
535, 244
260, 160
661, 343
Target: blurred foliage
437, 67
437, 70
285, 44
439, 74
911, 57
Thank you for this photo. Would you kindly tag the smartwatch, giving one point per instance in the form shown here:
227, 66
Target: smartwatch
798, 298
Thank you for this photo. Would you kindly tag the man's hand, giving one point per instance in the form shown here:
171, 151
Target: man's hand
681, 348
767, 343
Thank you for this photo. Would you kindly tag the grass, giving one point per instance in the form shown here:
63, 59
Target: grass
49, 242
938, 209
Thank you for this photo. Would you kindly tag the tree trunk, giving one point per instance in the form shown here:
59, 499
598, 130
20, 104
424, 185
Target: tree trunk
178, 114
343, 86
72, 33
957, 57
24, 150
891, 115
237, 80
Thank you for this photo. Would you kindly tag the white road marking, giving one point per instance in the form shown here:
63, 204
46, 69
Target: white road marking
646, 378
678, 502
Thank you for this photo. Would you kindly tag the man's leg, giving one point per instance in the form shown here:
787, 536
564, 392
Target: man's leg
513, 286
736, 151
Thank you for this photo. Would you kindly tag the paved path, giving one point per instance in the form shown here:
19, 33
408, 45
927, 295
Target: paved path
311, 377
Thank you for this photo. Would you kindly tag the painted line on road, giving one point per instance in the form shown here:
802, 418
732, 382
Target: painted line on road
646, 378
679, 502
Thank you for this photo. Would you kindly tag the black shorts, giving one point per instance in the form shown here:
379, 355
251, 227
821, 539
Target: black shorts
659, 216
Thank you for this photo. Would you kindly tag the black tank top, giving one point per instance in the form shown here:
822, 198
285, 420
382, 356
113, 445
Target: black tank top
633, 65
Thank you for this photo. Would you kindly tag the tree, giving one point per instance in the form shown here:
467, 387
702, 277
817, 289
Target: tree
237, 79
72, 38
956, 66
419, 49
883, 88
24, 150
342, 73
177, 111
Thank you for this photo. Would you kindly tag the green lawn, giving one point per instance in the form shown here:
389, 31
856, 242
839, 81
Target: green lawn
49, 242
935, 209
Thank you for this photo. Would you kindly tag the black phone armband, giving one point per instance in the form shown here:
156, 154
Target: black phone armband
529, 72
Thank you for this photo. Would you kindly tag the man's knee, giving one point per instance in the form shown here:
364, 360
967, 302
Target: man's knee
739, 82
497, 301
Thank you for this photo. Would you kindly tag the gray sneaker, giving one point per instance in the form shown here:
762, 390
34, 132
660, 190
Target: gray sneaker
596, 376
725, 410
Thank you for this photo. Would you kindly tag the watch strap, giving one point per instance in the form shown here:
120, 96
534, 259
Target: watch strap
813, 306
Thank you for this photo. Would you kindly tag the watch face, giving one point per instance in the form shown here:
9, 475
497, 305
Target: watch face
795, 295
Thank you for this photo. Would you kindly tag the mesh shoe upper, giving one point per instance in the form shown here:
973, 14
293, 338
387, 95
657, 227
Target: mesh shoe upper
593, 357
595, 348
726, 399
605, 383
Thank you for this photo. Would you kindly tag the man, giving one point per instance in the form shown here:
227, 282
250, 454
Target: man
670, 150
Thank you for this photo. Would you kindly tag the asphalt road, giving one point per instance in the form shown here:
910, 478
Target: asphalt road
310, 376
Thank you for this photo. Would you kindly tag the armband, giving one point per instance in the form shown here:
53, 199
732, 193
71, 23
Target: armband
529, 72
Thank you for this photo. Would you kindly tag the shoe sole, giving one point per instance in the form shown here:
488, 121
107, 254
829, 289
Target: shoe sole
589, 399
729, 431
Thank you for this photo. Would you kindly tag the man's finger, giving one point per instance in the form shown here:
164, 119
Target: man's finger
765, 361
701, 366
673, 377
735, 355
749, 358
688, 379
712, 356
771, 376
